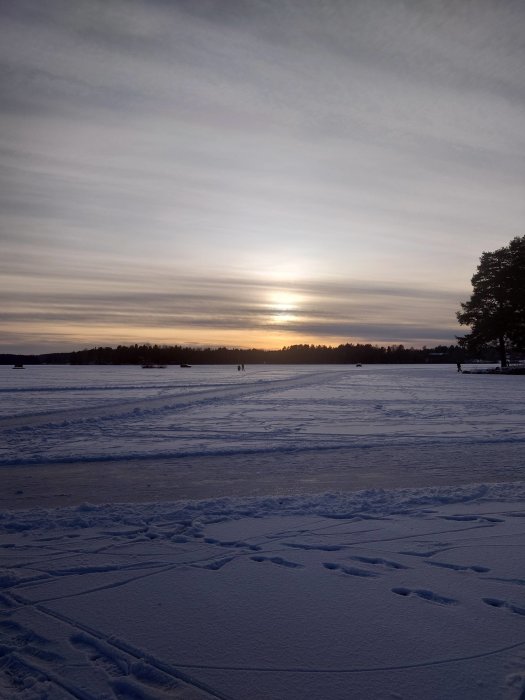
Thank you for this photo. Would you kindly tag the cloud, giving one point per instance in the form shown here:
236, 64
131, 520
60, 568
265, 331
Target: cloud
175, 308
154, 143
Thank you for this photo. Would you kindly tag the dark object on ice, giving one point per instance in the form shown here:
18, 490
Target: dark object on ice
183, 364
458, 365
359, 364
18, 365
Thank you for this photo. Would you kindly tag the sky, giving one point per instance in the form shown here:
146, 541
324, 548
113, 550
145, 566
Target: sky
254, 173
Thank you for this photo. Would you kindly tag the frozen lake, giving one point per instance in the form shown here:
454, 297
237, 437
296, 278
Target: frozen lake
260, 535
106, 434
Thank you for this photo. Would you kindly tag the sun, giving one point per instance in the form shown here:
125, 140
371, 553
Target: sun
283, 300
283, 306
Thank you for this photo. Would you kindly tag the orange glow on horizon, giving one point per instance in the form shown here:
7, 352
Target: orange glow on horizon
64, 338
67, 339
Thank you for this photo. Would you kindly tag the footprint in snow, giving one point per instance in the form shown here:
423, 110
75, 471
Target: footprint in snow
23, 641
378, 561
128, 678
126, 689
20, 676
279, 561
429, 596
214, 565
497, 603
350, 570
308, 547
13, 633
99, 654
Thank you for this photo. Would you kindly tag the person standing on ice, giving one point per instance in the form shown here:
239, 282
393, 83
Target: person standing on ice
458, 365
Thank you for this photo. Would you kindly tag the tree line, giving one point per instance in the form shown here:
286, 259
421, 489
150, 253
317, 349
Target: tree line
348, 353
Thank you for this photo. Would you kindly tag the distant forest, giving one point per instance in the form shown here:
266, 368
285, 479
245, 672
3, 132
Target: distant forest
293, 354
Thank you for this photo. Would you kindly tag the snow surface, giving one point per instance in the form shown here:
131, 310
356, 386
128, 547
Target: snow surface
278, 578
210, 431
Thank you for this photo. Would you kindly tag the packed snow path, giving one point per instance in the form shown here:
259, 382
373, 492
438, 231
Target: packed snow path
118, 434
401, 594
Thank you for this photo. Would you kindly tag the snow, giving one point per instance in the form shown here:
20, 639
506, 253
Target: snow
213, 431
287, 532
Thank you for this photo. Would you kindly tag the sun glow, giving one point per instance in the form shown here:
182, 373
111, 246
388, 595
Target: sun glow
283, 300
283, 306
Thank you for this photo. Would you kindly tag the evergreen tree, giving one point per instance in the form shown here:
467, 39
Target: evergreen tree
496, 310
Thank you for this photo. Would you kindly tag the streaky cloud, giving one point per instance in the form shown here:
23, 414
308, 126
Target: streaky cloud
165, 166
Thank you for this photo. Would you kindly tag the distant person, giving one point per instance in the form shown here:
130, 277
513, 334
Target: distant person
242, 366
238, 368
458, 365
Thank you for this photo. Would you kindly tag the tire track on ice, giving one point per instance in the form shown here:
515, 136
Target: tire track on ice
175, 402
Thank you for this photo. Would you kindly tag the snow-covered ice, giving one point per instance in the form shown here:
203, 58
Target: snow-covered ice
284, 552
209, 431
375, 594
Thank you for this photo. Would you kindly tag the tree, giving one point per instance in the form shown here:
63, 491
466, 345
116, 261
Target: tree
496, 310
